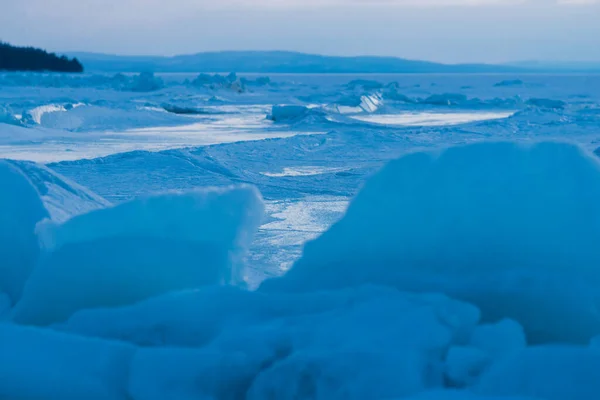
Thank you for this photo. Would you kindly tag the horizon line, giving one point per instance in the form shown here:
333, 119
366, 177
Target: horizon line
513, 63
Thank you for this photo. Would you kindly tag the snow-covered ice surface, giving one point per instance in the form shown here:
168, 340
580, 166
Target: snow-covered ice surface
453, 275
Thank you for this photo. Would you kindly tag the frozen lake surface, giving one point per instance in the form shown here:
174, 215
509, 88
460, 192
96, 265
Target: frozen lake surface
92, 129
299, 236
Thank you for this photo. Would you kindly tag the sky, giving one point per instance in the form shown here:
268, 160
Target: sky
451, 31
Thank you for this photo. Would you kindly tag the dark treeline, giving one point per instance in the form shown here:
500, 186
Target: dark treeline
31, 59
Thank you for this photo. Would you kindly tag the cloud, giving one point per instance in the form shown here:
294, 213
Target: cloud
174, 7
578, 2
382, 3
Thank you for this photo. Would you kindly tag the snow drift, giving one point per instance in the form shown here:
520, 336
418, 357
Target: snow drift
512, 229
146, 247
20, 210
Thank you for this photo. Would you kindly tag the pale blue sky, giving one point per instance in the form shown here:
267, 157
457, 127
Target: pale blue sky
437, 30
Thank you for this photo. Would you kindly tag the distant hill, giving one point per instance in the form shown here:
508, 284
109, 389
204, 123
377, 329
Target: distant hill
276, 62
31, 59
558, 66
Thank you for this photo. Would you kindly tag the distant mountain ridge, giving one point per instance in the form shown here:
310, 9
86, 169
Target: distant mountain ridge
276, 62
558, 66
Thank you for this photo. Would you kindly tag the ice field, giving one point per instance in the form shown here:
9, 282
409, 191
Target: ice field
185, 236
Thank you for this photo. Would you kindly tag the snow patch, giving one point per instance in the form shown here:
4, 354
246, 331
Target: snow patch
431, 119
303, 171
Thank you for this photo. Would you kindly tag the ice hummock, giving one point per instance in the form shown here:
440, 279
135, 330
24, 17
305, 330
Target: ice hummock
40, 364
364, 104
21, 208
8, 117
511, 228
549, 372
291, 113
284, 344
32, 193
139, 249
463, 395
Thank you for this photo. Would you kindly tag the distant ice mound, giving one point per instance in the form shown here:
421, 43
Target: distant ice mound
446, 99
97, 116
293, 113
258, 82
146, 247
38, 114
371, 103
183, 110
7, 117
546, 103
364, 84
143, 82
354, 104
217, 82
512, 229
509, 83
21, 208
347, 105
146, 82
